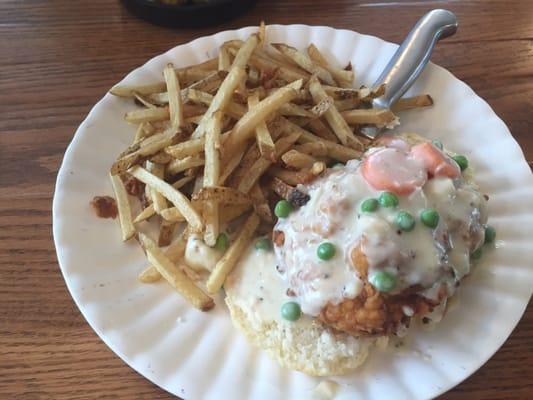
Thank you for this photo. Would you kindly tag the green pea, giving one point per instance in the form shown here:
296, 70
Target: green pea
291, 311
490, 234
405, 221
429, 217
222, 242
462, 161
388, 200
369, 205
325, 251
476, 254
383, 281
437, 144
263, 244
283, 209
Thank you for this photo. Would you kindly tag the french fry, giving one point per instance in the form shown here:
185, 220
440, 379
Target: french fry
245, 126
261, 165
143, 101
284, 72
175, 252
262, 33
190, 147
244, 53
194, 120
339, 93
314, 149
145, 214
139, 133
321, 107
295, 159
190, 76
130, 91
182, 182
235, 77
149, 275
174, 196
180, 165
209, 84
409, 103
229, 166
124, 209
161, 158
147, 115
369, 116
319, 128
233, 109
335, 120
175, 105
211, 177
140, 151
335, 150
294, 110
222, 194
304, 62
260, 203
166, 231
230, 212
347, 104
221, 99
344, 78
207, 65
212, 141
159, 202
292, 177
172, 214
173, 275
262, 135
228, 261
246, 160
224, 60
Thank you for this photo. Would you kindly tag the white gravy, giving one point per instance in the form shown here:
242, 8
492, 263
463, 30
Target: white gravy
425, 257
258, 288
199, 256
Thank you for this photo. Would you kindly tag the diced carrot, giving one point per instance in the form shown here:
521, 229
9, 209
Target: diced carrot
435, 161
393, 170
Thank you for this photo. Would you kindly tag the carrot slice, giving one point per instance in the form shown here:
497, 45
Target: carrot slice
393, 170
435, 161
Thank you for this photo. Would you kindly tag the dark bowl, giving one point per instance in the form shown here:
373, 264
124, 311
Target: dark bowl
210, 12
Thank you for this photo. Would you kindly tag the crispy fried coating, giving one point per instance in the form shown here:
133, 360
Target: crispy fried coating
372, 313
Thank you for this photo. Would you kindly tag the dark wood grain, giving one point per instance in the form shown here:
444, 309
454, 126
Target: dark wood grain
58, 57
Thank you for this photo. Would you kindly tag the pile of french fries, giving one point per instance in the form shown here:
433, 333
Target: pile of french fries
221, 141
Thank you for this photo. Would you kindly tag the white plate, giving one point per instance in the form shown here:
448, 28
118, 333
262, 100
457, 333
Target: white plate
200, 355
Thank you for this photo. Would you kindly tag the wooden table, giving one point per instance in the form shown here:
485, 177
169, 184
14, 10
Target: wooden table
59, 57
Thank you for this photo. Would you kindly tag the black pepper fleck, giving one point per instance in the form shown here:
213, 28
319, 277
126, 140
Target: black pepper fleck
425, 320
